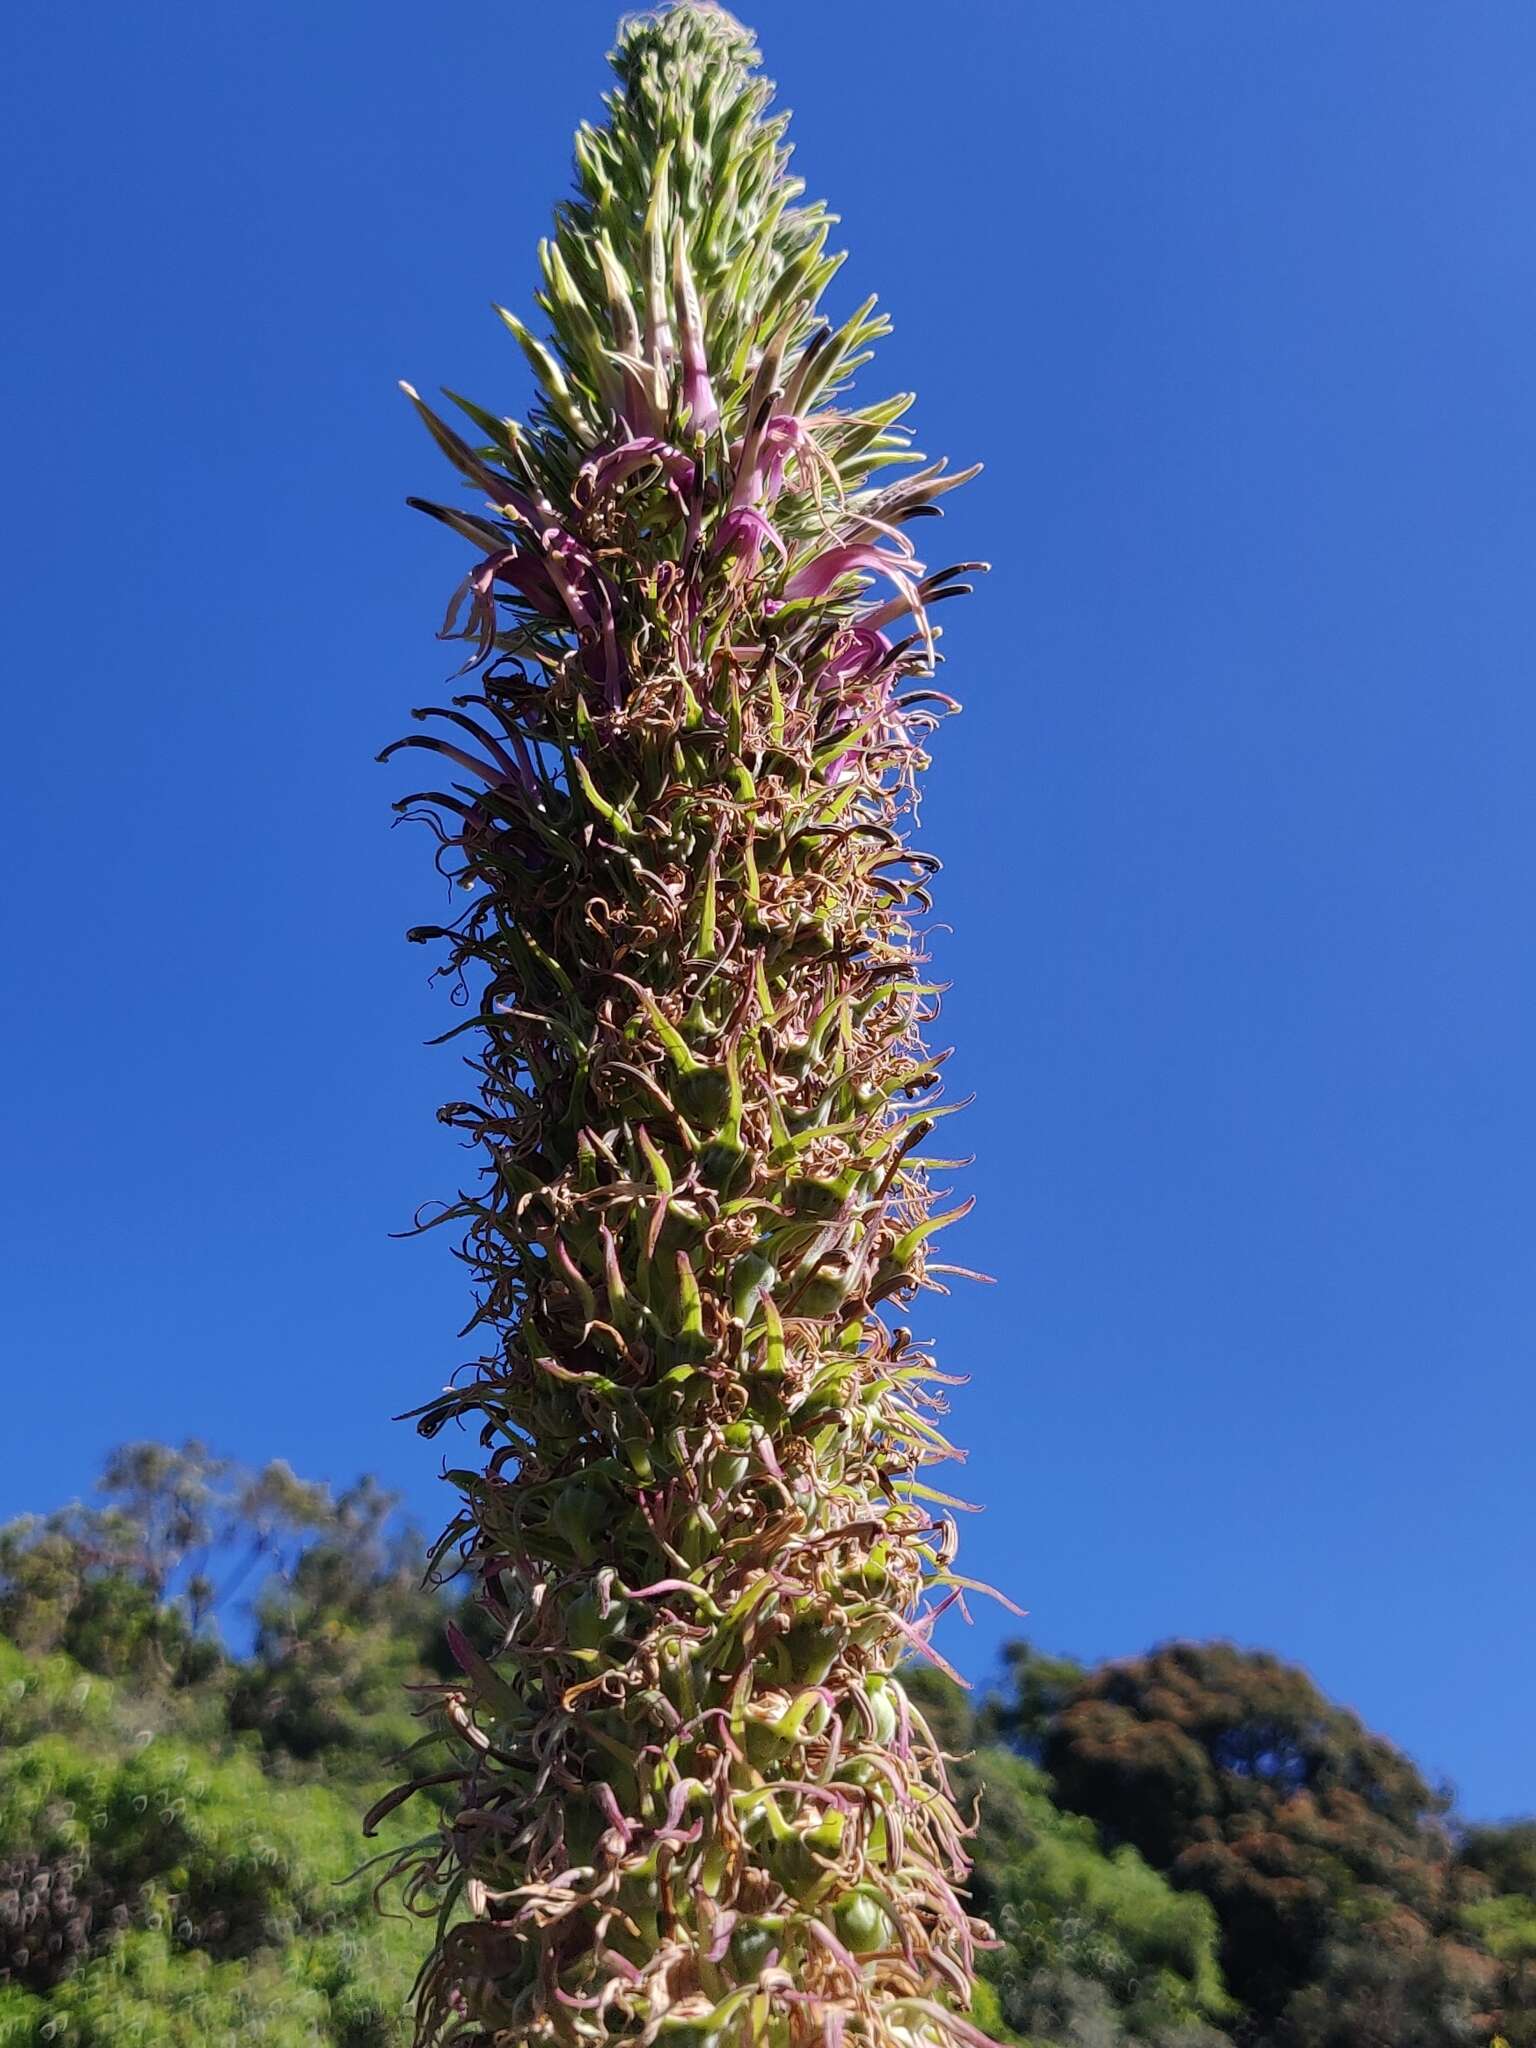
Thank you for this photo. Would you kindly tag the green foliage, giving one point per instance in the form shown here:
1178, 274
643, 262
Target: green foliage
1505, 1924
1320, 1846
50, 1695
1394, 1989
131, 1589
1036, 1687
178, 1840
70, 1582
149, 1993
176, 1855
192, 1885
339, 1638
1505, 1854
1068, 1913
1094, 1945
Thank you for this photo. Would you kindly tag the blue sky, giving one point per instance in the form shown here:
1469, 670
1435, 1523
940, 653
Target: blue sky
1237, 305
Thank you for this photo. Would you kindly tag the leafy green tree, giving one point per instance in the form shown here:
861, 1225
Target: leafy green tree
1388, 1986
132, 1588
1321, 1847
340, 1637
1036, 1687
1504, 1923
156, 1885
135, 1590
155, 1882
1504, 1852
1093, 1947
69, 1581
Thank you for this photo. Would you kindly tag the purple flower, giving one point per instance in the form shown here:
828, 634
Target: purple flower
589, 605
763, 456
744, 532
604, 473
698, 392
823, 572
563, 585
853, 672
784, 436
857, 652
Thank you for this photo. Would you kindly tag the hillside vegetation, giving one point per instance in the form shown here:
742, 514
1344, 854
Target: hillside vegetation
204, 1683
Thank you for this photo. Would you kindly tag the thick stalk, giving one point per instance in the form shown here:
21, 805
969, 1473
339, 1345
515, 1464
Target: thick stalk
690, 1798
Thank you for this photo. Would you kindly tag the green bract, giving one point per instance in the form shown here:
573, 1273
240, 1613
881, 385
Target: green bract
696, 1804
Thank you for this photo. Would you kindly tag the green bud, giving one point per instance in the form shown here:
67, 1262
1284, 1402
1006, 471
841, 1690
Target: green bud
862, 1923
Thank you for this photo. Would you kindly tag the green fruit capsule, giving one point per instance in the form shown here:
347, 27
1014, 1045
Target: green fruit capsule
794, 1864
824, 1293
823, 1403
587, 1627
817, 1198
727, 1469
812, 1647
805, 1717
750, 1276
684, 1347
751, 1946
704, 1095
873, 1574
881, 1695
763, 1744
698, 1537
794, 1051
580, 1514
722, 1163
713, 1867
584, 1625
826, 1838
637, 1456
863, 1924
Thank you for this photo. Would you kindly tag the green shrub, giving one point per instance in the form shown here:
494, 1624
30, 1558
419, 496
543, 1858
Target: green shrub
171, 1892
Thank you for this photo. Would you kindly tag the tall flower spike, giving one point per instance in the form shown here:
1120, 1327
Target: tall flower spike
691, 1802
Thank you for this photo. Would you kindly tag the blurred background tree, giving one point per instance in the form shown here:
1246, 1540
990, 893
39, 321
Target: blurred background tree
1337, 1883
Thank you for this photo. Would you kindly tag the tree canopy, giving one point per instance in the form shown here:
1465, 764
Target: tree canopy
1326, 1854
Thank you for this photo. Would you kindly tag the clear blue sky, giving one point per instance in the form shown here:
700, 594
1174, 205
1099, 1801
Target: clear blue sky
1237, 302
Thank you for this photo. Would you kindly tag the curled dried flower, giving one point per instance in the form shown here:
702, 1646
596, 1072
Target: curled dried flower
825, 1158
